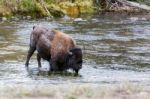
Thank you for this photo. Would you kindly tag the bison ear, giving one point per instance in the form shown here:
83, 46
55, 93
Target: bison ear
34, 27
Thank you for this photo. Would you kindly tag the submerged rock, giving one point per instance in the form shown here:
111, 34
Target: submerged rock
14, 18
28, 17
79, 20
4, 19
133, 19
49, 18
94, 20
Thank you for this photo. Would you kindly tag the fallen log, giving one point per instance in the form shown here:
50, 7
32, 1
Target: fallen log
138, 5
121, 5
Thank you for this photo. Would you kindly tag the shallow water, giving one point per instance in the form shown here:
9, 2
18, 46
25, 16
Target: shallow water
116, 49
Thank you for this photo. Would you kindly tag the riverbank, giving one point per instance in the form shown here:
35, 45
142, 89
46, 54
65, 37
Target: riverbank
44, 8
75, 91
27, 9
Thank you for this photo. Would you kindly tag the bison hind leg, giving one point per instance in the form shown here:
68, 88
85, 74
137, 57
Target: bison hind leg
30, 53
39, 60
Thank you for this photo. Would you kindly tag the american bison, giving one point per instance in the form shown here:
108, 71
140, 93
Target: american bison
58, 48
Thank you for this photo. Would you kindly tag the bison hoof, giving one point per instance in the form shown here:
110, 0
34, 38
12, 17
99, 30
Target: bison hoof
76, 72
26, 64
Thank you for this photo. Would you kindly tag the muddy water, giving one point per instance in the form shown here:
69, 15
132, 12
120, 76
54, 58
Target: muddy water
116, 49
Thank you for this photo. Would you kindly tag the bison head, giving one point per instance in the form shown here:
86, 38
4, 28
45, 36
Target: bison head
75, 59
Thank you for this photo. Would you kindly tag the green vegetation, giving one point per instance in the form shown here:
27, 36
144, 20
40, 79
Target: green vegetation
43, 8
56, 8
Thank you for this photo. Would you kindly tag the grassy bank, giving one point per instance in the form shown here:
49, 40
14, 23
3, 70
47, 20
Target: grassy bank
44, 8
75, 91
51, 8
146, 2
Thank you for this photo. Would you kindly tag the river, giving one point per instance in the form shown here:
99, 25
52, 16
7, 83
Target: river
116, 49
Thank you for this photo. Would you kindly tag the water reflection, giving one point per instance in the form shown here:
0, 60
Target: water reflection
46, 72
115, 50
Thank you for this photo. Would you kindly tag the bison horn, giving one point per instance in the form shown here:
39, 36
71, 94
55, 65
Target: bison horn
70, 53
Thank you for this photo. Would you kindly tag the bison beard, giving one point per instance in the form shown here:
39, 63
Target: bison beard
58, 48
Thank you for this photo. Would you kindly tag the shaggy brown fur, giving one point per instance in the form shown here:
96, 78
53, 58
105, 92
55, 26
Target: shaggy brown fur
56, 47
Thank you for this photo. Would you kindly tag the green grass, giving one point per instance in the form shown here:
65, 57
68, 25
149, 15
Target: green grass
75, 91
42, 8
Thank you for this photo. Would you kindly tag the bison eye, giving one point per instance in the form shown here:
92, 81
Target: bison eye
79, 62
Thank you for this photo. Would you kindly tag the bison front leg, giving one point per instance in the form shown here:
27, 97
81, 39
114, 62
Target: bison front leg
53, 65
30, 52
76, 72
39, 60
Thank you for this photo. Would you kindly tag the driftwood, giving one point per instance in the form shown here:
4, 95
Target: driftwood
119, 5
141, 6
